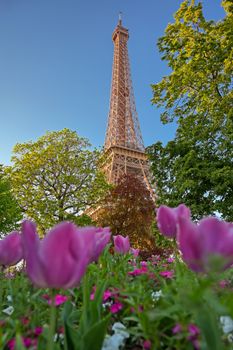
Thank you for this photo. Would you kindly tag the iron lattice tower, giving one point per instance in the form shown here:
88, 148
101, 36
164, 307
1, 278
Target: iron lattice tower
124, 149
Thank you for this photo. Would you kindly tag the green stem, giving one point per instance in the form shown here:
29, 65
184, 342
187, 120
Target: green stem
52, 324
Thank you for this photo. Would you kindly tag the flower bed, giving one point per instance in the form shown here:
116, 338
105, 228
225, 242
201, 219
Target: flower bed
89, 299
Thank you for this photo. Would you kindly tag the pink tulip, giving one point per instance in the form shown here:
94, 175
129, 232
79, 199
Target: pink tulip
121, 244
95, 240
206, 246
167, 219
61, 258
11, 251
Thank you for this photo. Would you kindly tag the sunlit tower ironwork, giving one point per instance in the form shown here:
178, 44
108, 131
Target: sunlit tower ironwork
124, 148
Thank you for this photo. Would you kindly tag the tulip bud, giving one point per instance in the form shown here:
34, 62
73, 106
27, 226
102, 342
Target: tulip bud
167, 219
206, 246
121, 244
60, 259
11, 251
135, 252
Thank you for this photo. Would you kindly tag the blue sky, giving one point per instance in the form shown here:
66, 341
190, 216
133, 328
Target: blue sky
56, 61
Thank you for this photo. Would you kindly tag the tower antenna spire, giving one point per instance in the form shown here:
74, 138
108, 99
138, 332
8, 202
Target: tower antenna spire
120, 18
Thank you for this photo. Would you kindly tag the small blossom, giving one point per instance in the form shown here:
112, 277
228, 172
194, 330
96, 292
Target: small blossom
38, 331
117, 340
138, 272
147, 345
25, 321
27, 342
223, 284
60, 299
170, 260
9, 310
227, 324
116, 307
135, 252
156, 295
119, 328
9, 298
92, 296
230, 338
140, 308
177, 328
107, 295
193, 330
167, 274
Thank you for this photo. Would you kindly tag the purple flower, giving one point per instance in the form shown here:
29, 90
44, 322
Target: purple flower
116, 307
193, 330
59, 299
95, 240
11, 251
177, 328
167, 274
167, 219
193, 335
137, 272
135, 252
206, 246
38, 331
60, 259
147, 345
121, 244
107, 295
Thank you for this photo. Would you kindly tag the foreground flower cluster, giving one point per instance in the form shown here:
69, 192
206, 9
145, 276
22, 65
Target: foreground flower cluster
205, 246
77, 294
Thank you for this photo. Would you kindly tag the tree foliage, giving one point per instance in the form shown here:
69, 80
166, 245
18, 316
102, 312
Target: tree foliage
197, 166
10, 213
129, 210
56, 177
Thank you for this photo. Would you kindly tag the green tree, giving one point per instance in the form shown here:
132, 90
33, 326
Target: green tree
10, 213
56, 177
197, 166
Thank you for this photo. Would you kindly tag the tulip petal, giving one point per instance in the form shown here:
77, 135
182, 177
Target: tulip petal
190, 244
167, 220
62, 256
11, 251
31, 244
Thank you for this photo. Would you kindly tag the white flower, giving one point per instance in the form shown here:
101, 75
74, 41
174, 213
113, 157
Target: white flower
156, 295
9, 310
113, 343
227, 324
9, 298
230, 338
119, 328
117, 340
107, 304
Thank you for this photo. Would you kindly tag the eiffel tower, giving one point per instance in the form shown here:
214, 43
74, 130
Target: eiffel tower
124, 149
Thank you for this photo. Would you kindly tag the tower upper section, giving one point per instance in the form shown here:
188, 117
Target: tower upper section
123, 128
